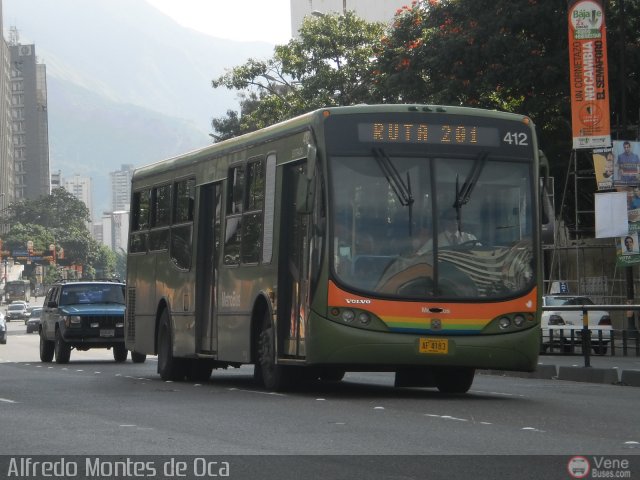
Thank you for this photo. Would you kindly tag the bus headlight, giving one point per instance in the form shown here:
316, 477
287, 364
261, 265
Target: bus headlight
505, 322
348, 315
518, 320
364, 318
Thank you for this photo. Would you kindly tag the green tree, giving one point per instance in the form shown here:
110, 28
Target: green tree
57, 219
329, 64
511, 56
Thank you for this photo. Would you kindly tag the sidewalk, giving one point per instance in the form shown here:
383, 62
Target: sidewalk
617, 369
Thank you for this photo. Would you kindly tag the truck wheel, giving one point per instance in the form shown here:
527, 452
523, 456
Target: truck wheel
120, 353
46, 349
62, 349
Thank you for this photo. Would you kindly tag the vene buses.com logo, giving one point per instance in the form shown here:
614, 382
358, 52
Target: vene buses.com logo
578, 467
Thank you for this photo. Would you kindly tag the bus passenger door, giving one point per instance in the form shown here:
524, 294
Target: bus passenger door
207, 267
292, 268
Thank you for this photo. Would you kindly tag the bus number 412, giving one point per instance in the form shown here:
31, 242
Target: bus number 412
516, 138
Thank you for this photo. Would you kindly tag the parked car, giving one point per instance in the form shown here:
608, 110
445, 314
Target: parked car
563, 328
3, 329
33, 323
82, 315
16, 311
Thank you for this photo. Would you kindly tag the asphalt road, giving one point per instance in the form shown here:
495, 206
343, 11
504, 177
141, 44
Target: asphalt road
93, 406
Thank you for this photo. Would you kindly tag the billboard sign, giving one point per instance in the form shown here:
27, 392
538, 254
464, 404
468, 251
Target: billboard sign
589, 75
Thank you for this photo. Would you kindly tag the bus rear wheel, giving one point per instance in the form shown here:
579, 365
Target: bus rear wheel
455, 379
169, 367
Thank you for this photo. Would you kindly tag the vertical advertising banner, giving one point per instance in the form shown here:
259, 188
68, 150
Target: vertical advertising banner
589, 75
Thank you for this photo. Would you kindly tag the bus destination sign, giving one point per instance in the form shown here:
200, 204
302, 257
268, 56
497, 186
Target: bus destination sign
427, 133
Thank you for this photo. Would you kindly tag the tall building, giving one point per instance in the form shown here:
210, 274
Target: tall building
369, 10
29, 121
80, 187
121, 188
115, 230
6, 146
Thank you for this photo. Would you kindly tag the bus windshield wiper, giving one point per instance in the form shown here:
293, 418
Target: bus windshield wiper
464, 194
399, 187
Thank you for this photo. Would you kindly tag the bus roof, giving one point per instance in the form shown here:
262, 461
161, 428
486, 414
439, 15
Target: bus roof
305, 120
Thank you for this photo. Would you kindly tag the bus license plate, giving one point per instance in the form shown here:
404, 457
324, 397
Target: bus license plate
108, 333
434, 345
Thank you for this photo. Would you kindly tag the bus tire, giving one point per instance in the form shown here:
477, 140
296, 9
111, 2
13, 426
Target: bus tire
61, 349
169, 367
273, 377
138, 357
454, 379
120, 353
46, 349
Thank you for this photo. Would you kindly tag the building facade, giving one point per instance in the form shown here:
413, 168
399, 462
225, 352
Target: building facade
121, 188
115, 230
29, 122
6, 145
80, 187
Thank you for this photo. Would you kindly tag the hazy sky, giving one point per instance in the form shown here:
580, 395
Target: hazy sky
264, 20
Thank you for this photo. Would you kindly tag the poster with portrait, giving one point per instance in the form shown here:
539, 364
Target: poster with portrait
628, 253
604, 166
627, 163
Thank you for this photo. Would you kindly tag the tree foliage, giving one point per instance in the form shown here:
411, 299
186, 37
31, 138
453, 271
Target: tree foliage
329, 64
58, 219
497, 54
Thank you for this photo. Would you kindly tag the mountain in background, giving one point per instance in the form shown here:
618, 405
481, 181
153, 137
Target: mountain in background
126, 84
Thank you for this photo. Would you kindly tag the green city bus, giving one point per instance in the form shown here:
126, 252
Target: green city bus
17, 290
318, 246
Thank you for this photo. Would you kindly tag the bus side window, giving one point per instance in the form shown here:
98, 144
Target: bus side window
252, 217
235, 203
139, 222
182, 227
236, 190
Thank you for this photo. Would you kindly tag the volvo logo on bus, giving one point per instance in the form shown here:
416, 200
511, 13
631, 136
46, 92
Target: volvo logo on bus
357, 300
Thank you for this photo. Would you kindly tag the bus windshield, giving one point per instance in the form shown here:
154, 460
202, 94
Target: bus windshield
433, 226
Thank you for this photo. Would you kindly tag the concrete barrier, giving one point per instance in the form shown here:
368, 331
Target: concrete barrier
588, 374
631, 378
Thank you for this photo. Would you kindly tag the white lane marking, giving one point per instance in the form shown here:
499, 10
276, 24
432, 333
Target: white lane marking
6, 400
532, 429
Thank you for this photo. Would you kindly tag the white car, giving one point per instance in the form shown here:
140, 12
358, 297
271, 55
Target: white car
562, 329
3, 329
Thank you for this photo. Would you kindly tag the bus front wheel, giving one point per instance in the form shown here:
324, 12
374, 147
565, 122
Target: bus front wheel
169, 367
455, 379
273, 377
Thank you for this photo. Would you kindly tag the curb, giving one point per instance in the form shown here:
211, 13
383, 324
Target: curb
544, 372
631, 378
589, 374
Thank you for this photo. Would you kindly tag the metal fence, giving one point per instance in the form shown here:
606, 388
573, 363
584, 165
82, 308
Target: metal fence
568, 340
